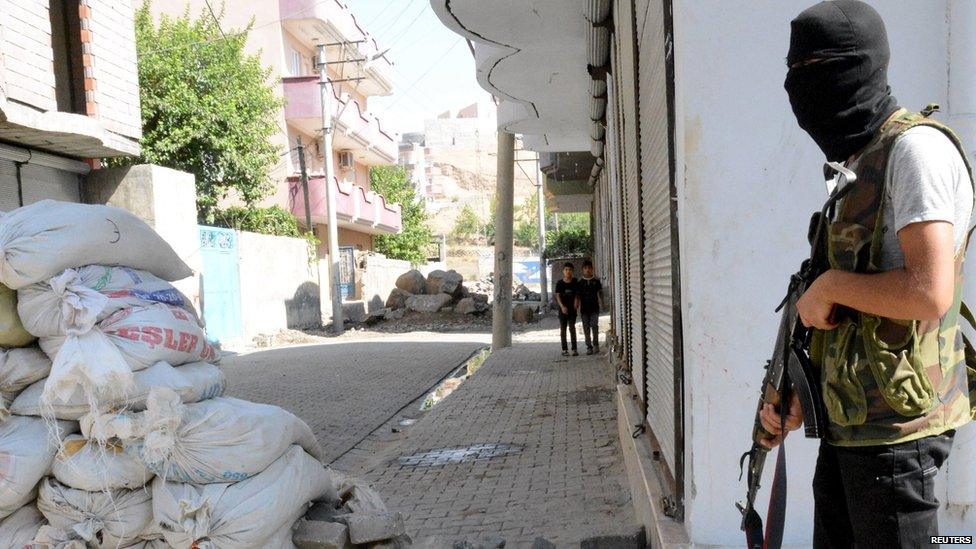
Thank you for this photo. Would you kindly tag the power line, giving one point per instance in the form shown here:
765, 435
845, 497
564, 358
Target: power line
426, 72
382, 11
214, 15
406, 29
388, 26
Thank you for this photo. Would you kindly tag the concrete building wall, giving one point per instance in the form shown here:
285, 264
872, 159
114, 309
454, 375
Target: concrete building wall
748, 179
279, 285
163, 198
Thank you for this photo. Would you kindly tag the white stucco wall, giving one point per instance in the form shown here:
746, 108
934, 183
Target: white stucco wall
748, 180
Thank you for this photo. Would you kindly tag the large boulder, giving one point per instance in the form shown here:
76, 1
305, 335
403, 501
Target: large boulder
412, 281
398, 299
428, 303
448, 282
523, 314
466, 306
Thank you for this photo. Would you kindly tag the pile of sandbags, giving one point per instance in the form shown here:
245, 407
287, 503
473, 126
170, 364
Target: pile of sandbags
113, 428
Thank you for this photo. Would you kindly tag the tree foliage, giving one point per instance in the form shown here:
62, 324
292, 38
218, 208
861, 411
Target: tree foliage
466, 225
207, 107
573, 242
412, 242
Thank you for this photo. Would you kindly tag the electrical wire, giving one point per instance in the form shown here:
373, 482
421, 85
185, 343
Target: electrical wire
382, 11
426, 72
407, 28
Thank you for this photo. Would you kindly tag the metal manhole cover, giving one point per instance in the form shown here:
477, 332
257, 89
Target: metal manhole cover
445, 456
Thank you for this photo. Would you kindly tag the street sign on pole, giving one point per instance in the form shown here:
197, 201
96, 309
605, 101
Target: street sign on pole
330, 189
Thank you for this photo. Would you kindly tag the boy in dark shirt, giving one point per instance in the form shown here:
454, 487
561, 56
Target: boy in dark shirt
567, 298
591, 301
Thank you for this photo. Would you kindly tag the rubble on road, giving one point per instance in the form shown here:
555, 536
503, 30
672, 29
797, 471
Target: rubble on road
522, 293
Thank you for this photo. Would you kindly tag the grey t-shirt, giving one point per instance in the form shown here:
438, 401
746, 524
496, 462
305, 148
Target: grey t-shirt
927, 181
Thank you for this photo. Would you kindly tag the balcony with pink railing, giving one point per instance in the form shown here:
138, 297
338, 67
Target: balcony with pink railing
331, 22
355, 129
356, 208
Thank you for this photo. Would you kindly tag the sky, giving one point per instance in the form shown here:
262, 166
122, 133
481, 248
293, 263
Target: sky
433, 67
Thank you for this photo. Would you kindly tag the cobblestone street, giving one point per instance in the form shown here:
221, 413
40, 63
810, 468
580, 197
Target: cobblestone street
346, 388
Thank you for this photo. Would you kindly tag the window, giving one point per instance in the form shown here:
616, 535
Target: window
69, 73
296, 63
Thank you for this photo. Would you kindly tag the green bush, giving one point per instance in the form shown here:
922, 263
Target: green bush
410, 244
572, 242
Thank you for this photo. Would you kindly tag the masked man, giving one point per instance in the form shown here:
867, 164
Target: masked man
886, 317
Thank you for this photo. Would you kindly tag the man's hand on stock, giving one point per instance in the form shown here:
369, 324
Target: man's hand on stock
773, 422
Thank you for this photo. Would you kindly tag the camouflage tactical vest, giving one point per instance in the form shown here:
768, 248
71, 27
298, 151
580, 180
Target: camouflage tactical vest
884, 380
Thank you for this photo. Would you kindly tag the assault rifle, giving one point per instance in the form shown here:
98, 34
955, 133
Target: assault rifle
790, 371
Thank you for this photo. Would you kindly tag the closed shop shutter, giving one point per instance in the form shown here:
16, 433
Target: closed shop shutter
656, 215
615, 199
8, 186
39, 179
627, 115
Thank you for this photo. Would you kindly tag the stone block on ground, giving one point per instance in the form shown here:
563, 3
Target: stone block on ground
466, 306
490, 542
428, 303
480, 298
448, 282
377, 316
523, 314
543, 543
395, 314
323, 511
354, 311
399, 542
412, 281
398, 298
316, 534
370, 527
359, 497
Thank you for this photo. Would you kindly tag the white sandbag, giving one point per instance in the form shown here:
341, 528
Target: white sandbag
191, 381
27, 448
100, 362
218, 440
22, 367
18, 530
45, 238
73, 301
12, 332
92, 466
243, 515
109, 519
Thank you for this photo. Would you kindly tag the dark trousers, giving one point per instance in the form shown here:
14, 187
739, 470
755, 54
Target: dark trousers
567, 322
591, 325
878, 496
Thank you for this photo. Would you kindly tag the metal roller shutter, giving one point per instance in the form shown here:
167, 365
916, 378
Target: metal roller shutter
626, 97
615, 199
8, 186
42, 182
660, 237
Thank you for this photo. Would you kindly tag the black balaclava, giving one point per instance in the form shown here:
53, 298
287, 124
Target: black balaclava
842, 100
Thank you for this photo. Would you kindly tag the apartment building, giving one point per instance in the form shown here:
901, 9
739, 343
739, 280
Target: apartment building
285, 35
69, 93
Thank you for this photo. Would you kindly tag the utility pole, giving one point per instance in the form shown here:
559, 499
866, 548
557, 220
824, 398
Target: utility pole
541, 213
501, 322
304, 174
330, 191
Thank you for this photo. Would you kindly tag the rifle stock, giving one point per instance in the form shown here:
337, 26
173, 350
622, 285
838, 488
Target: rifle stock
790, 369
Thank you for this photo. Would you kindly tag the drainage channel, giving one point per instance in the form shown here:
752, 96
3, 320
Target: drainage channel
453, 381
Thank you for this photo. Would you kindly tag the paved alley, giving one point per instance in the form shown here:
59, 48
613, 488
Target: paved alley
348, 387
527, 447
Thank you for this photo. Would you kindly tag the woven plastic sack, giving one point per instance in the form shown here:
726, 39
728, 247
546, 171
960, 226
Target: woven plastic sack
252, 513
92, 466
213, 441
100, 362
45, 238
27, 448
18, 369
12, 332
73, 301
109, 519
192, 382
18, 530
